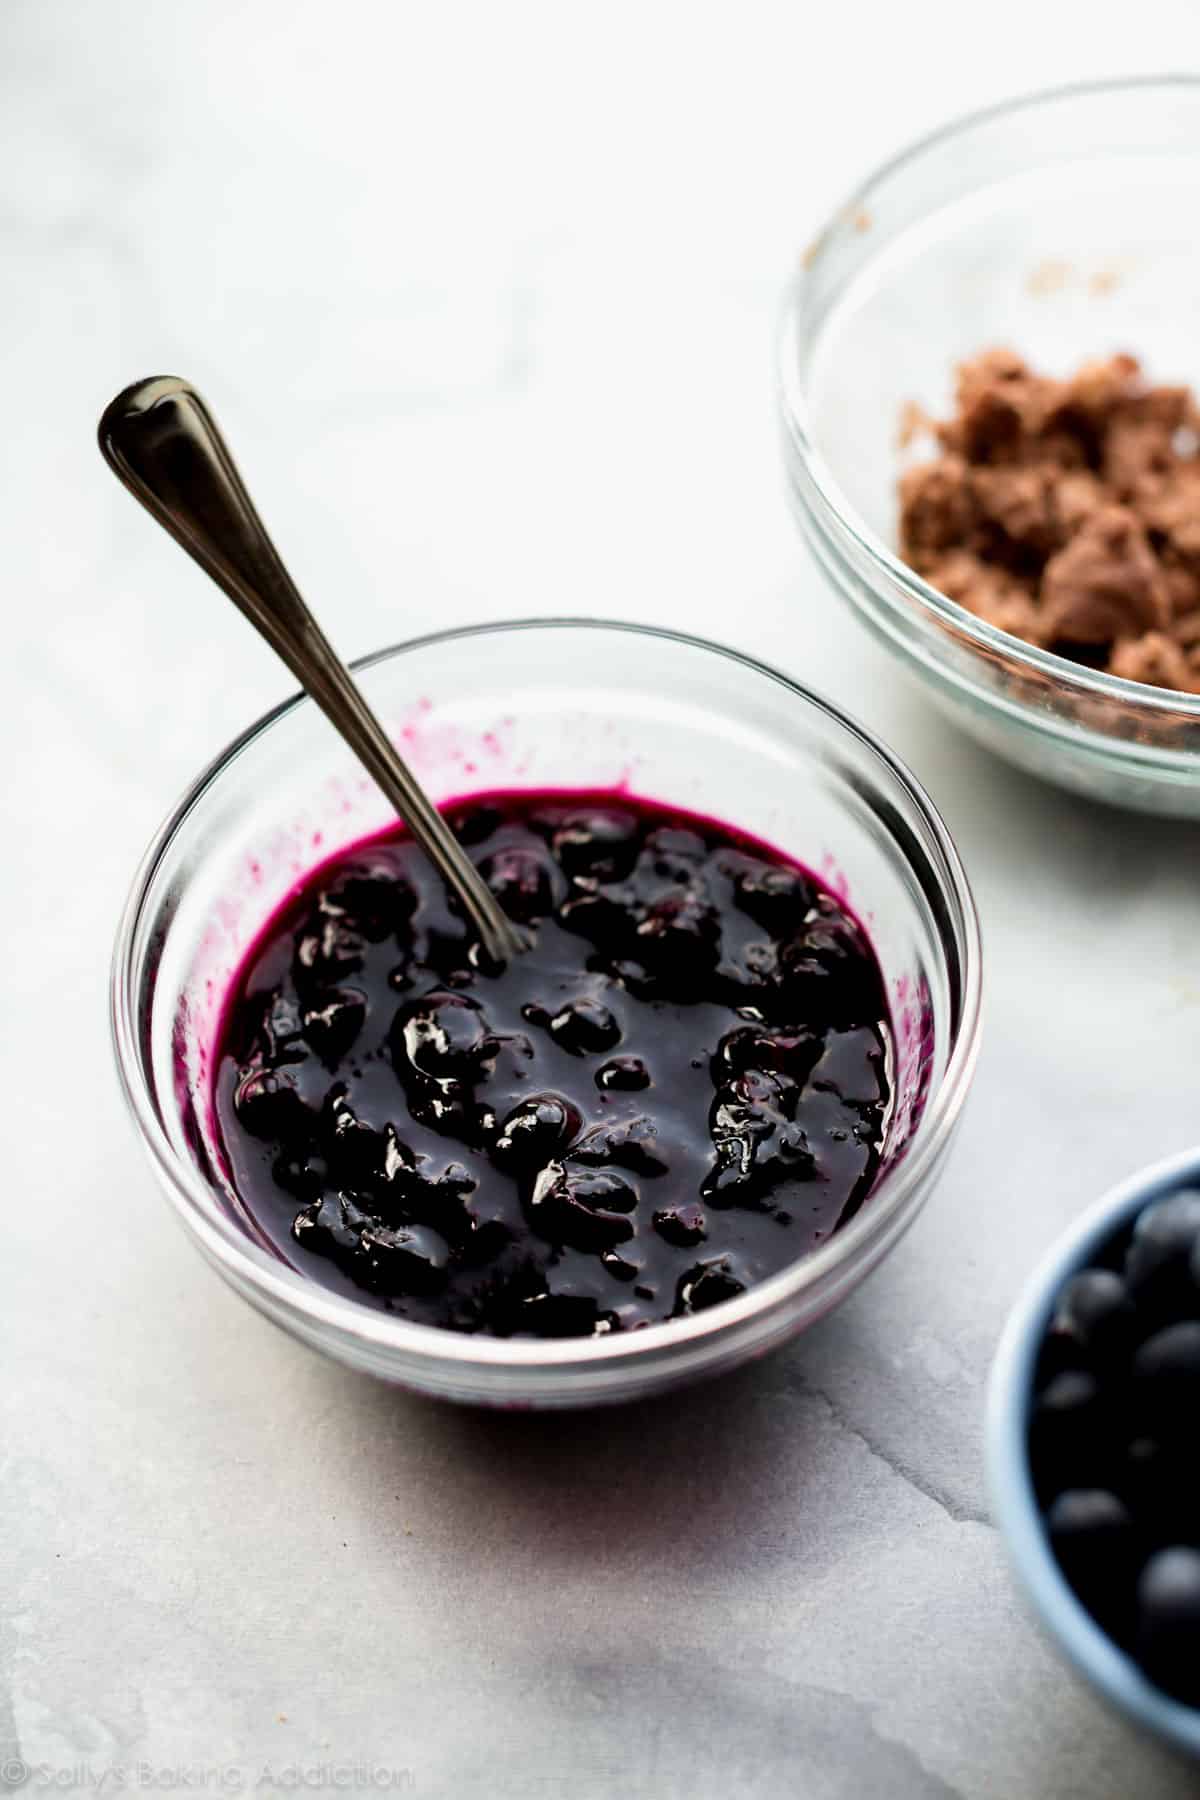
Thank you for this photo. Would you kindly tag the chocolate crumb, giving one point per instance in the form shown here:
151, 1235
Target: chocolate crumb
1066, 512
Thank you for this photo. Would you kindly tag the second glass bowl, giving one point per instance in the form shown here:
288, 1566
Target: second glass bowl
535, 705
1058, 226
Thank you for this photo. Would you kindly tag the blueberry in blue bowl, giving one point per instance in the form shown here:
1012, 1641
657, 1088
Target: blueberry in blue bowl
1093, 1429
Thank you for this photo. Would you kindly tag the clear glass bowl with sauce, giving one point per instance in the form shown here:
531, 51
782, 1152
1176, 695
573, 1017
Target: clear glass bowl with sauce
569, 703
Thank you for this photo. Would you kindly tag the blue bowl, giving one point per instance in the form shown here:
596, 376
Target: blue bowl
1010, 1396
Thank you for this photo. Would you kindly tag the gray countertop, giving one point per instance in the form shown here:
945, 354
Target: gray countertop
485, 296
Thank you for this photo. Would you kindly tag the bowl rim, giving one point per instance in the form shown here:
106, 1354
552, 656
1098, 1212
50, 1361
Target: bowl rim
1010, 1391
202, 1210
798, 426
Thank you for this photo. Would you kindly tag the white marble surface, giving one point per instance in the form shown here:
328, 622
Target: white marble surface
484, 295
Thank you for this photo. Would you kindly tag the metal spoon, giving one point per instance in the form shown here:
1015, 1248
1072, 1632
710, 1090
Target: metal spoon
159, 437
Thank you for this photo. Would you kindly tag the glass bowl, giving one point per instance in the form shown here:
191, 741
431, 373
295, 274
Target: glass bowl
538, 704
1085, 1644
1058, 225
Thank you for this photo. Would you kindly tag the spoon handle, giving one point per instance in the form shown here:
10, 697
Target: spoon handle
160, 439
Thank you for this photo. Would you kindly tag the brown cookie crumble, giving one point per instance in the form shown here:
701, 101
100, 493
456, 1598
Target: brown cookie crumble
1067, 512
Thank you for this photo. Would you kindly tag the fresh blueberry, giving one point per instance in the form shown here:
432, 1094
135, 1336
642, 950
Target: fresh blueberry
1166, 1380
1168, 1622
1070, 1435
1160, 1481
1158, 1266
1094, 1324
1093, 1537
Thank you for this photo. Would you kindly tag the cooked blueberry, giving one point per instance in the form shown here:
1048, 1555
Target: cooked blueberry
606, 916
1093, 1537
706, 1285
1168, 1622
444, 1035
775, 897
821, 967
671, 855
486, 1240
300, 1174
522, 881
587, 1209
680, 933
475, 823
460, 1144
325, 1228
1158, 1265
757, 1139
404, 1259
626, 1143
356, 1151
328, 951
602, 844
333, 1022
623, 1074
584, 1026
371, 900
682, 1226
618, 1267
536, 1130
267, 1105
563, 1315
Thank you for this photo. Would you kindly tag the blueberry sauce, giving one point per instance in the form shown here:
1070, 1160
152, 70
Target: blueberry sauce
680, 1088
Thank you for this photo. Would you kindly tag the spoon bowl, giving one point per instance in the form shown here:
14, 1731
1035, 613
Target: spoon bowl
162, 442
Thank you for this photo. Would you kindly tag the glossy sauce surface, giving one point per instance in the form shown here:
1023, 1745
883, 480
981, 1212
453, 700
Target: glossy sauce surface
680, 1088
